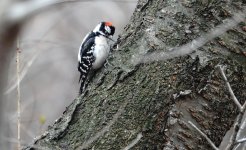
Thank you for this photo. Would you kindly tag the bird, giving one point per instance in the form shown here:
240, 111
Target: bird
94, 50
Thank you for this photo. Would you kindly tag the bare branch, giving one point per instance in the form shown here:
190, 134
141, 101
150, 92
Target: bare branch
239, 121
241, 141
204, 135
23, 9
194, 44
134, 142
18, 94
233, 134
22, 74
242, 127
235, 100
31, 61
244, 105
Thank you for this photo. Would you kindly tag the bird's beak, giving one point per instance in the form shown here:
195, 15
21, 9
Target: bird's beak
110, 37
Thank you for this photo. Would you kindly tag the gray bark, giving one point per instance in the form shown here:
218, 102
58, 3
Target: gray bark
124, 100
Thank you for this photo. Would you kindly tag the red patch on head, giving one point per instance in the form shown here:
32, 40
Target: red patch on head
108, 24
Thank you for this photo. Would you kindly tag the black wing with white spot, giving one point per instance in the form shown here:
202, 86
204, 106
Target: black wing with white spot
86, 59
88, 37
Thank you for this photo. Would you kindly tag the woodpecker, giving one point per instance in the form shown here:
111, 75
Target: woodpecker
94, 50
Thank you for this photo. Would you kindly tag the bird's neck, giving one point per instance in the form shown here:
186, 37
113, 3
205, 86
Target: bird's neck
100, 33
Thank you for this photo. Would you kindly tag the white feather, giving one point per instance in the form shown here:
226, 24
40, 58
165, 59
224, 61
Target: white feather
97, 29
101, 51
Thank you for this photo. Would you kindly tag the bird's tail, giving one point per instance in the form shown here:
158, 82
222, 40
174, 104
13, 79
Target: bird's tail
82, 81
83, 75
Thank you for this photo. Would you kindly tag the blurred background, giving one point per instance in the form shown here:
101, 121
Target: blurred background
49, 45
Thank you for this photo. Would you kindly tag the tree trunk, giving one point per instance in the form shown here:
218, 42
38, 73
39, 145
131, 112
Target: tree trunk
147, 106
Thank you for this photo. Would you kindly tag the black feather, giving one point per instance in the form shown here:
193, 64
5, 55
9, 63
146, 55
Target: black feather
87, 58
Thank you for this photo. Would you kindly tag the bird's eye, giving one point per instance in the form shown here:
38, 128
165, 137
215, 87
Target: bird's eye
107, 28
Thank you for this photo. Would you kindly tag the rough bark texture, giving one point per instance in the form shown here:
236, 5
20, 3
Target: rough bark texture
124, 100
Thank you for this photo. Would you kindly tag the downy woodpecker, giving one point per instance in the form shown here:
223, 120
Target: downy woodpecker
94, 50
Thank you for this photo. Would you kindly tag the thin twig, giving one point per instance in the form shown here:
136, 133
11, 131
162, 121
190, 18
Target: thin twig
18, 94
241, 141
234, 133
194, 44
22, 74
20, 10
244, 105
242, 126
134, 142
204, 135
239, 123
37, 44
241, 130
235, 100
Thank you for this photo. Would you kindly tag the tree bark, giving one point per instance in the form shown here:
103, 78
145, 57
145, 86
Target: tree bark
147, 106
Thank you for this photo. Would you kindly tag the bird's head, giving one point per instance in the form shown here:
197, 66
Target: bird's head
105, 28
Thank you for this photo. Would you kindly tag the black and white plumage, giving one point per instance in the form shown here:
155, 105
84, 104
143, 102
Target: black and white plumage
94, 50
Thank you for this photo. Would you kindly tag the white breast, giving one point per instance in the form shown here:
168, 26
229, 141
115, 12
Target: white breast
101, 51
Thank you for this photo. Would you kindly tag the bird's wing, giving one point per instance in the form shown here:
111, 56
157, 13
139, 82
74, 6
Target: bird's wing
87, 42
